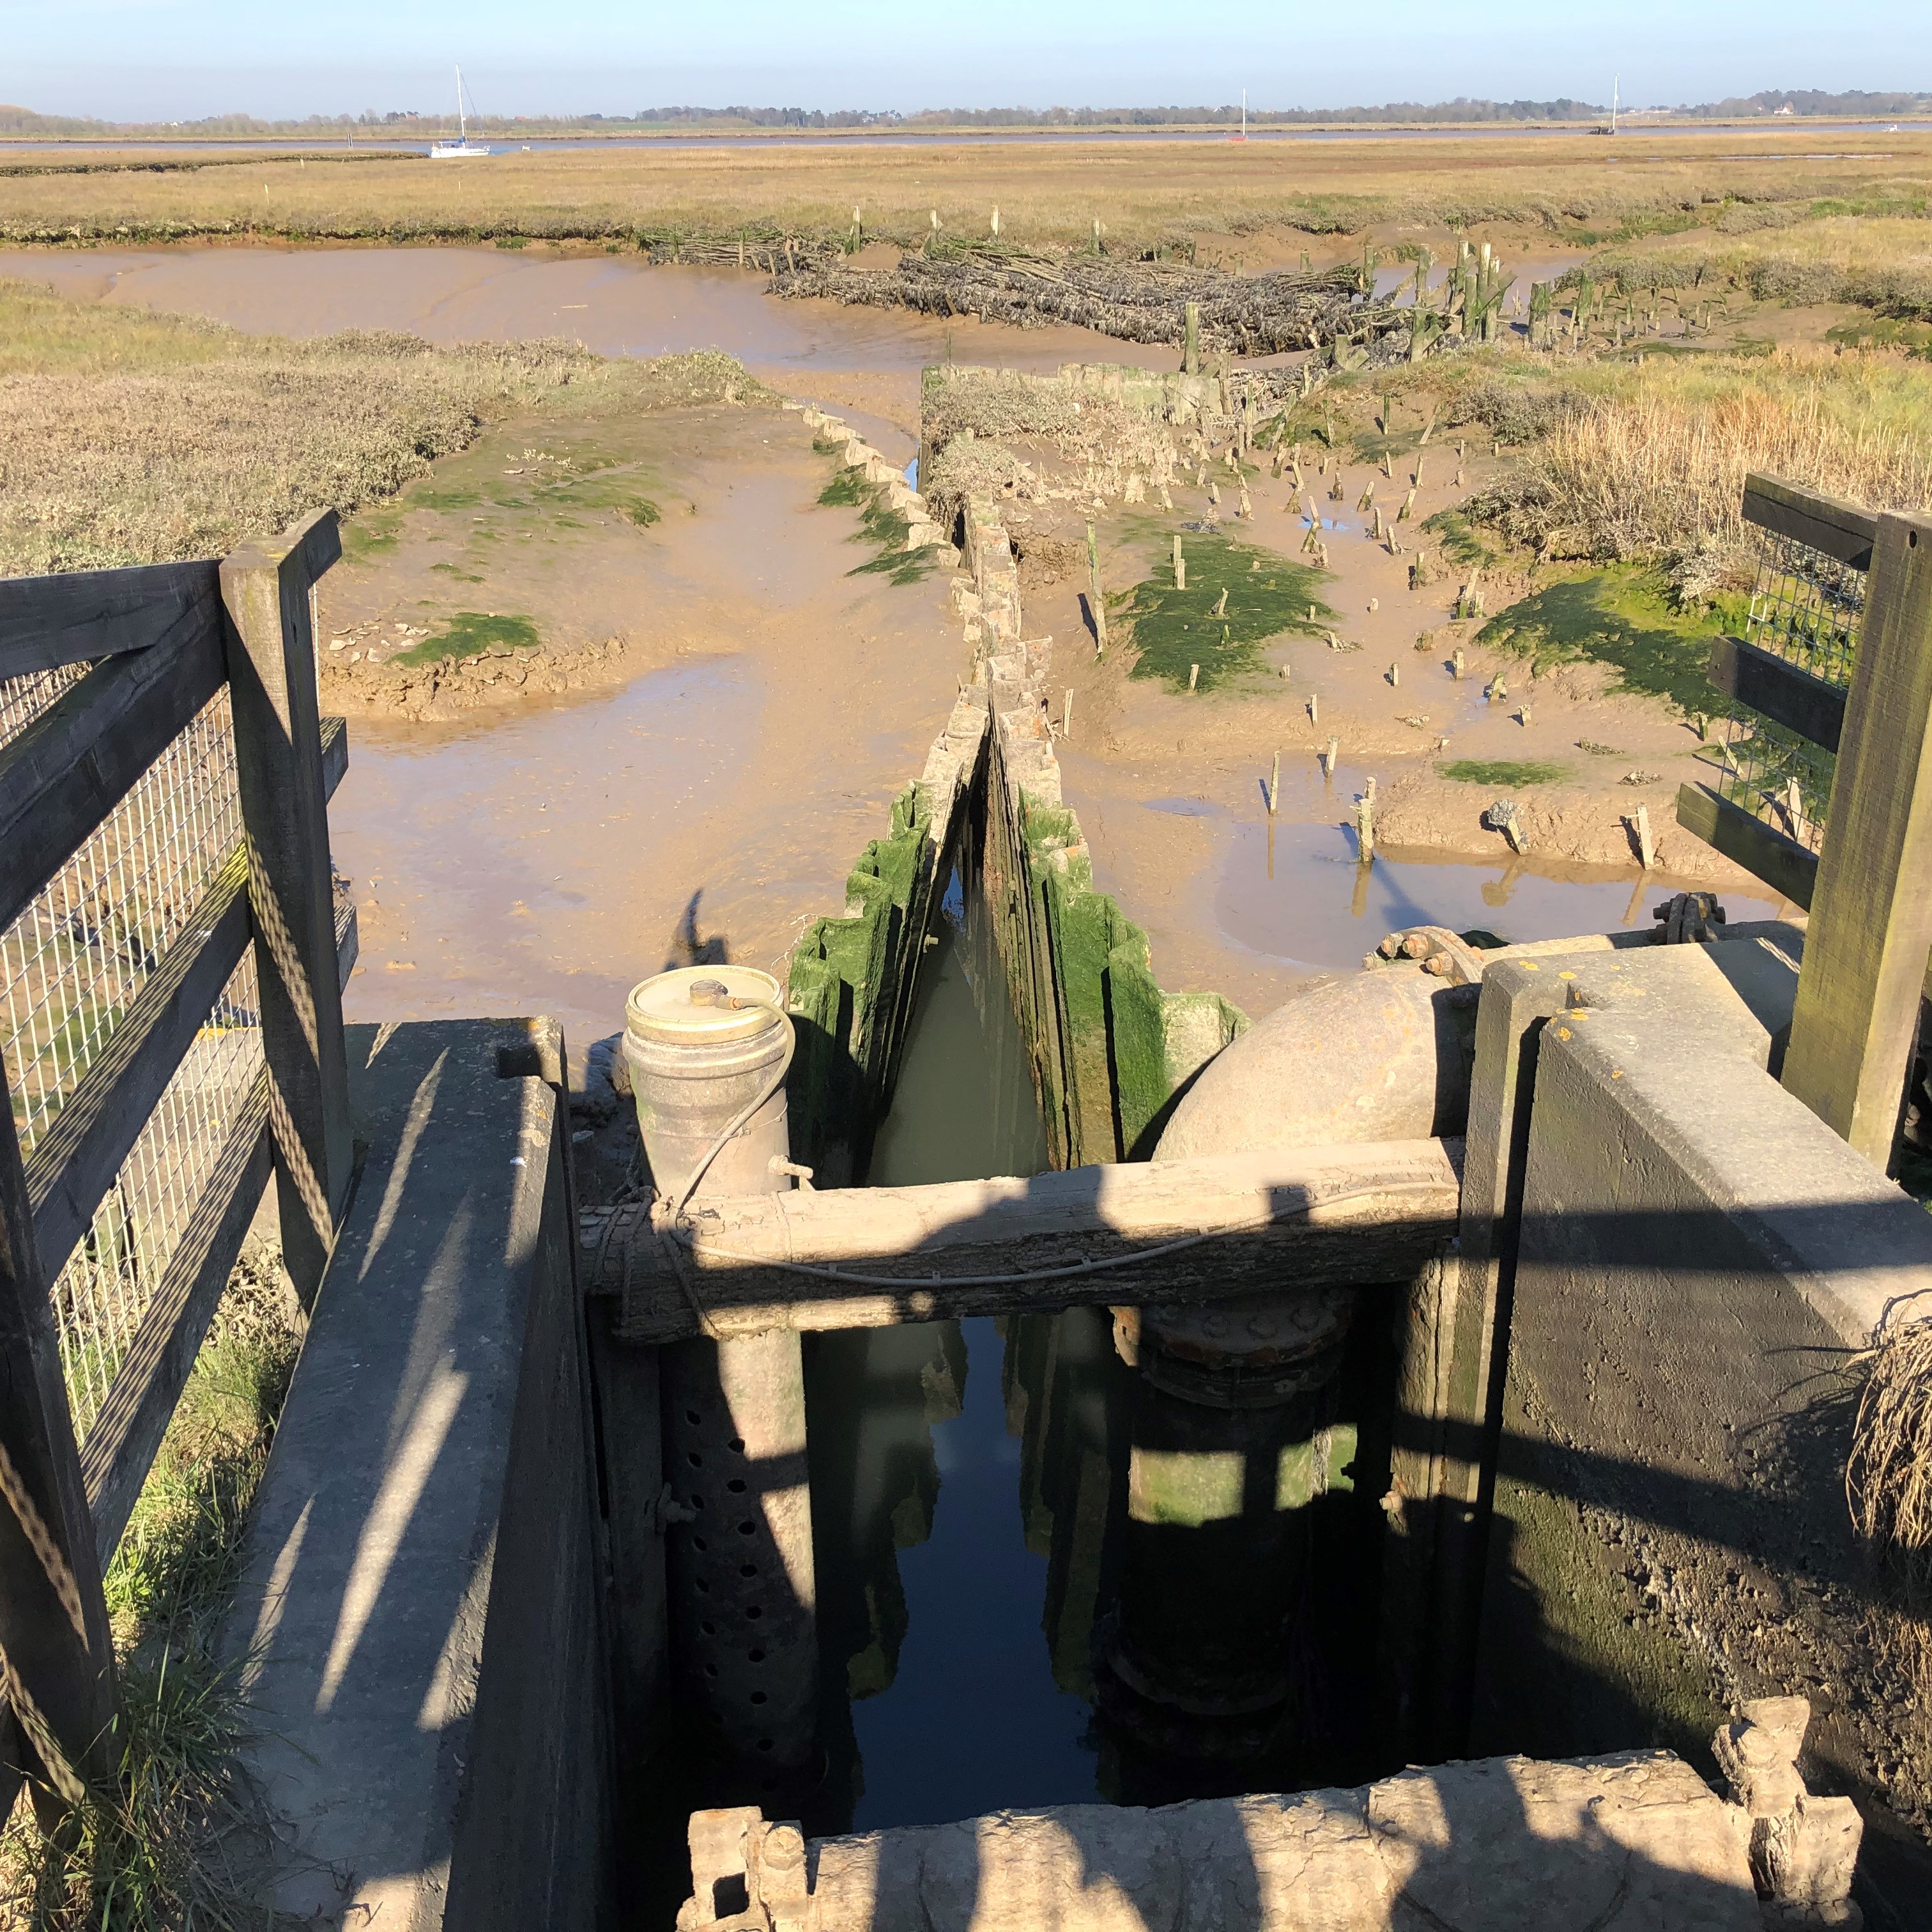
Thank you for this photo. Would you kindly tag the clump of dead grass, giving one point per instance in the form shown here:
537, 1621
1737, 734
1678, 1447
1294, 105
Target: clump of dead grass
1889, 1478
127, 437
174, 1842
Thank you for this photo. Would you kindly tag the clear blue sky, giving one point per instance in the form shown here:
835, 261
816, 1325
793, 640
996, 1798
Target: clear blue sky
152, 59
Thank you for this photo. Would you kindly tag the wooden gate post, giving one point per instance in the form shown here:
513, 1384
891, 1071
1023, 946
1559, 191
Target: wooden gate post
56, 1662
271, 645
1870, 928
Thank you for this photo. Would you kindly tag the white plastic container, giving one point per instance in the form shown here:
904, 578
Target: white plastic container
695, 1065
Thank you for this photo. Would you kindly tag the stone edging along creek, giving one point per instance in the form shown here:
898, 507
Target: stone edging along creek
1109, 1051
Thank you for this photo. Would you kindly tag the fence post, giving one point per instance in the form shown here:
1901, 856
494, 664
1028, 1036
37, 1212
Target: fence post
1871, 911
271, 645
56, 1662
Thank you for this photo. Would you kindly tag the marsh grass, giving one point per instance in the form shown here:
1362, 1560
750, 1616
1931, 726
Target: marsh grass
1153, 193
1650, 463
130, 437
173, 1843
1888, 1478
1267, 596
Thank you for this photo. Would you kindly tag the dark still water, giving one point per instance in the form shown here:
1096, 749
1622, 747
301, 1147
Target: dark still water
1045, 1576
946, 1693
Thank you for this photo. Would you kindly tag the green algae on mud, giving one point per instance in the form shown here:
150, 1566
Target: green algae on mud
879, 524
1462, 543
1623, 616
1237, 597
1502, 772
469, 632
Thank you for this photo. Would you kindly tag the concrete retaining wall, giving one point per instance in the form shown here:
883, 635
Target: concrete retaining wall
1110, 1051
1695, 1264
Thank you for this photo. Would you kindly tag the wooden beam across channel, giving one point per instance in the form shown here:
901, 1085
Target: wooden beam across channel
1206, 1230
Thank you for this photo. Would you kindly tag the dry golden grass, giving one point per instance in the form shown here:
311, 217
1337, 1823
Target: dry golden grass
1889, 1478
127, 437
1650, 461
1883, 262
1144, 189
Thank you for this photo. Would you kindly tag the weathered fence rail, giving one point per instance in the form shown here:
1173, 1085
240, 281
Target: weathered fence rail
171, 961
1825, 787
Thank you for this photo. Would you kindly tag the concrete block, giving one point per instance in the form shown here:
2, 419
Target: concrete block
1632, 1840
420, 1620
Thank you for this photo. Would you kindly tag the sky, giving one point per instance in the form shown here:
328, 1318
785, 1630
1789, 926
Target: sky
163, 59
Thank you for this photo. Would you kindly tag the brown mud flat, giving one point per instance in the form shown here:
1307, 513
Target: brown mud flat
822, 352
603, 542
1170, 785
703, 803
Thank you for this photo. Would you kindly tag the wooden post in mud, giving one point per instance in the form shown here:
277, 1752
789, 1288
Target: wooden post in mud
1646, 848
1274, 786
1193, 675
1365, 826
1333, 752
1190, 341
1456, 665
1314, 708
1096, 599
1180, 564
1066, 716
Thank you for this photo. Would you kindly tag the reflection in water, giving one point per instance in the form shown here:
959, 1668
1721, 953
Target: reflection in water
941, 1696
1046, 1576
1295, 892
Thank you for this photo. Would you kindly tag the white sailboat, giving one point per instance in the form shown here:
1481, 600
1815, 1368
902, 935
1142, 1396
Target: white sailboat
462, 147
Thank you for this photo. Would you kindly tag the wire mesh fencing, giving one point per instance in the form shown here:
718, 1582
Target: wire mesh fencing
1807, 608
72, 965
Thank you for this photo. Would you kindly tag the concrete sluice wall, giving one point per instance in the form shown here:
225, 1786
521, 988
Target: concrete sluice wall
1109, 1051
1632, 1840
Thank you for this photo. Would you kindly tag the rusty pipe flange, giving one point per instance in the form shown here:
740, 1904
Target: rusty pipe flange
1255, 1354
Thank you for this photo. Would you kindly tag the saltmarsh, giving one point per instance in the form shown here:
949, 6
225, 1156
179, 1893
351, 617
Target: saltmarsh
130, 437
1147, 191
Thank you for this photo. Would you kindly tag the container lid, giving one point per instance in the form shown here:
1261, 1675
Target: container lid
663, 1009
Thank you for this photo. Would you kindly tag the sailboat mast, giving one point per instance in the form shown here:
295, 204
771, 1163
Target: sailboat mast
462, 122
1616, 80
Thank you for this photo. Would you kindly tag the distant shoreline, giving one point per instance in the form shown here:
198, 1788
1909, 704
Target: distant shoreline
514, 139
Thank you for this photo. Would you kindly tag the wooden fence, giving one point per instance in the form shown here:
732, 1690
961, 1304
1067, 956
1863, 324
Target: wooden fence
171, 960
1824, 788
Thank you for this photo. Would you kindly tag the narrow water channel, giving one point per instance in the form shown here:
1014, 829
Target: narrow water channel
946, 1696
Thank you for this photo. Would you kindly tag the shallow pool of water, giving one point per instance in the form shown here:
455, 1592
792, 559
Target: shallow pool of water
1296, 893
493, 865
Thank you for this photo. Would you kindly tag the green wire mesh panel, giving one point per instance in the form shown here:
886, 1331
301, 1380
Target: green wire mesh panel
1807, 608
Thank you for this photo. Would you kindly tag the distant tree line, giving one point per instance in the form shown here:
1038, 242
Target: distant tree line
1856, 105
21, 121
